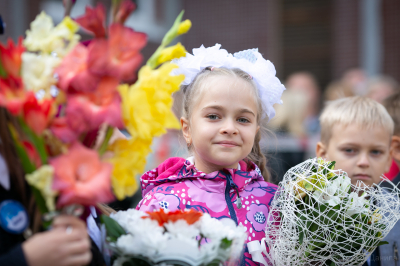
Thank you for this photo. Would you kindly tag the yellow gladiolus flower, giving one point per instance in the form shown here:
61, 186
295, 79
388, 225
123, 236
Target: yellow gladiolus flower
172, 52
146, 105
184, 27
42, 179
129, 160
46, 38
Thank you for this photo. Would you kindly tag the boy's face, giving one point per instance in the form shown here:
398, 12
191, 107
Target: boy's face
363, 153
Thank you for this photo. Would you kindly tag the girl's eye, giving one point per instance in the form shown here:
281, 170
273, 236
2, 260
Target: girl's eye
243, 120
212, 117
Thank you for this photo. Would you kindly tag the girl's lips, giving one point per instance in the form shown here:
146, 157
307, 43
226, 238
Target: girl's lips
228, 143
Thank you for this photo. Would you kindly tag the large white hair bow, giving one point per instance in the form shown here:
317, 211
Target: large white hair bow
251, 61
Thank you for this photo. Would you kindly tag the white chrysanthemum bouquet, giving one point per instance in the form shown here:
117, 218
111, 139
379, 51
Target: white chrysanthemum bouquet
318, 217
173, 238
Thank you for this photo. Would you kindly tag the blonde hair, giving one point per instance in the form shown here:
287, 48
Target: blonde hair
192, 92
290, 116
361, 111
392, 104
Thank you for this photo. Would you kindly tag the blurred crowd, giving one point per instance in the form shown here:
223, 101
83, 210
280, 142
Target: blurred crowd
296, 125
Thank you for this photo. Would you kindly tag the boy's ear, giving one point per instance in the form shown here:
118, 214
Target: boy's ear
186, 130
321, 150
395, 148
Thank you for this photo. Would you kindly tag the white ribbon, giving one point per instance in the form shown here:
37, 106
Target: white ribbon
256, 251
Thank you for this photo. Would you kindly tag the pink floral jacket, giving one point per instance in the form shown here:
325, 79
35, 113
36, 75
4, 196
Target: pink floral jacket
177, 184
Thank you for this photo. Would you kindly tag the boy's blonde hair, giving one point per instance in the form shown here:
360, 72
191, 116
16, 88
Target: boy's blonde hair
392, 104
361, 111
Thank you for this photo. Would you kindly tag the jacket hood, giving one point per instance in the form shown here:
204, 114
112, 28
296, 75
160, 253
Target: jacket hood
177, 169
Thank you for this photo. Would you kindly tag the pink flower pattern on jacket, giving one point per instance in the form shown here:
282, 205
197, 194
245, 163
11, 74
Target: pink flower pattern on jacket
177, 184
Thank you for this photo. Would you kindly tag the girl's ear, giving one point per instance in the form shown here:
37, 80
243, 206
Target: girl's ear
186, 130
321, 150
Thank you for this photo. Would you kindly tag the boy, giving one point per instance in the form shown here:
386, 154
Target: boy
356, 132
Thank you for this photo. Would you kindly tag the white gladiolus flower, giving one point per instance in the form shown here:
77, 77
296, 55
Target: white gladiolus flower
38, 71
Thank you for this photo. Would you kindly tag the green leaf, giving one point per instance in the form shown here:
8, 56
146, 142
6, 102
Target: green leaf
3, 73
36, 141
39, 200
27, 165
382, 243
104, 144
114, 230
225, 243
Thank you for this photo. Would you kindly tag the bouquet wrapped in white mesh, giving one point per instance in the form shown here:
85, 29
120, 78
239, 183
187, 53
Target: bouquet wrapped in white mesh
318, 217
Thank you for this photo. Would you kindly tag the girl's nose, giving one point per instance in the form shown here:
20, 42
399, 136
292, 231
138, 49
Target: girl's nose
363, 160
229, 128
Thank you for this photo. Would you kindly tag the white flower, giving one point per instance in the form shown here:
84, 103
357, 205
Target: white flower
357, 204
38, 71
181, 229
46, 38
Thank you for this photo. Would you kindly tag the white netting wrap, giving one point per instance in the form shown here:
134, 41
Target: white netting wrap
318, 217
251, 61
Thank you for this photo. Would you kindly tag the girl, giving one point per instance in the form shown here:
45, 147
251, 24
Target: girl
222, 113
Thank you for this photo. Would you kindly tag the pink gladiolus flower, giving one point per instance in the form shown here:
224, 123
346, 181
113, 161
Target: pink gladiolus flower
81, 178
73, 72
93, 20
59, 127
118, 56
88, 111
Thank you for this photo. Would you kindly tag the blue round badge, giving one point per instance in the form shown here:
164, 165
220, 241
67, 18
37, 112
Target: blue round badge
13, 217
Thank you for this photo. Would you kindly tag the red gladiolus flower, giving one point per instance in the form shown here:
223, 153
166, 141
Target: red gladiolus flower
164, 217
73, 72
124, 10
10, 57
81, 178
12, 94
93, 20
37, 114
119, 55
87, 111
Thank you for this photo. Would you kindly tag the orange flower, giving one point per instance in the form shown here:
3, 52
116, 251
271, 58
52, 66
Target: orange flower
164, 217
81, 178
10, 57
12, 94
93, 20
118, 56
37, 114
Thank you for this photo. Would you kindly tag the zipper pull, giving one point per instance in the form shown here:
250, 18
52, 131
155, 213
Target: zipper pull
235, 187
238, 201
395, 252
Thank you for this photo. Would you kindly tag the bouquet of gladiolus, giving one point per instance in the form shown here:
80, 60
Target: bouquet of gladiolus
69, 99
318, 217
172, 238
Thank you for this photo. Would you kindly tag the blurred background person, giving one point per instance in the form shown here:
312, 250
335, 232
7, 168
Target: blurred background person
291, 134
306, 83
336, 90
381, 87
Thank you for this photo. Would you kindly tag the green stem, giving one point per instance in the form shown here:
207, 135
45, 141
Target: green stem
104, 144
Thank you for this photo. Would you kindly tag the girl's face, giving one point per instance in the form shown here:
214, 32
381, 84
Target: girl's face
223, 124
